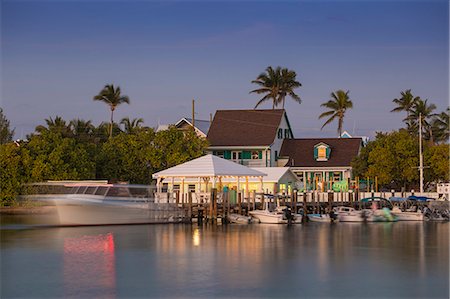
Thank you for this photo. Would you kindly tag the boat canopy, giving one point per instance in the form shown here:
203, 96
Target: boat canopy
419, 198
373, 198
394, 198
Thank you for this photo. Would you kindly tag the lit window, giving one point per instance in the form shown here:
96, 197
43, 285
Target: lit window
255, 155
322, 153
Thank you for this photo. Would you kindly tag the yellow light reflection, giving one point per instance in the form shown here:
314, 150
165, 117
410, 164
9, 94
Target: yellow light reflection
196, 237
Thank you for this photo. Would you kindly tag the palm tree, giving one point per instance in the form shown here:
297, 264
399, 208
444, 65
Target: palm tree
276, 84
57, 125
113, 98
441, 126
131, 126
337, 106
421, 109
405, 103
288, 84
81, 129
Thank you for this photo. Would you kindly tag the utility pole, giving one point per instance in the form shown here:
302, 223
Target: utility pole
420, 153
193, 114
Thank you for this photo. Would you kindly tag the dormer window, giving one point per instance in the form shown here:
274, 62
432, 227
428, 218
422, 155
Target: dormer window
322, 152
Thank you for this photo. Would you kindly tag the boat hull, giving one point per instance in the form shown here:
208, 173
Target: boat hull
409, 216
268, 217
88, 210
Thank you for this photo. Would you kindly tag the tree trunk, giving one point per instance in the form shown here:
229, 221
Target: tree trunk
112, 122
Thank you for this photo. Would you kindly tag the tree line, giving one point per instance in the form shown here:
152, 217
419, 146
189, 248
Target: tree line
77, 150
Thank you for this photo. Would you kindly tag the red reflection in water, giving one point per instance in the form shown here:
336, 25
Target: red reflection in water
89, 266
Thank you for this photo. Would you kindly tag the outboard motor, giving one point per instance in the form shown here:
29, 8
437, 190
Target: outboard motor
288, 215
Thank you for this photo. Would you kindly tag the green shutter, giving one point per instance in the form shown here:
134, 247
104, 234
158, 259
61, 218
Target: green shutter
260, 155
246, 155
328, 152
227, 154
316, 153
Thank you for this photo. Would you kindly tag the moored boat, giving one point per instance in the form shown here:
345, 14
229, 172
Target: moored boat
348, 214
239, 219
319, 218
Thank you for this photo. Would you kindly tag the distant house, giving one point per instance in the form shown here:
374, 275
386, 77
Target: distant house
201, 126
249, 137
346, 134
320, 162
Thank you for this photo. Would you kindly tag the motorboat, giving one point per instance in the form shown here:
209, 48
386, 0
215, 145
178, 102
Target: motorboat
281, 215
348, 214
407, 215
319, 218
93, 203
239, 219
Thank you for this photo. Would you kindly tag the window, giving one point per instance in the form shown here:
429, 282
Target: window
255, 155
176, 187
191, 188
286, 133
236, 155
337, 176
280, 133
219, 154
276, 155
322, 153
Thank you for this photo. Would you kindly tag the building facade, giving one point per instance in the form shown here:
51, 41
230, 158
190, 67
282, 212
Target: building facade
249, 137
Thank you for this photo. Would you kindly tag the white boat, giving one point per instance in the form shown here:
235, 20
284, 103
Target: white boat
239, 219
278, 216
319, 218
348, 214
407, 215
108, 204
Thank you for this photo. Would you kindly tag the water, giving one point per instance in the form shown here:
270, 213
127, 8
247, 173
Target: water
379, 260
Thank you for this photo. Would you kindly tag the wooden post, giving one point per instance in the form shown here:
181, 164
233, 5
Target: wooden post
239, 199
190, 207
313, 201
177, 197
330, 200
253, 199
305, 209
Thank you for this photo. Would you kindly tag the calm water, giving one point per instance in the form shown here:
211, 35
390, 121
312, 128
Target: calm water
315, 260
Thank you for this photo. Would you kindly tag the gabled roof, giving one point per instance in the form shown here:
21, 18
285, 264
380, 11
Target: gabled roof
208, 166
301, 151
244, 127
201, 125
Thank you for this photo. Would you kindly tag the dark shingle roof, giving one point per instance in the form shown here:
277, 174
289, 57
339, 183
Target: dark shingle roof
244, 127
301, 151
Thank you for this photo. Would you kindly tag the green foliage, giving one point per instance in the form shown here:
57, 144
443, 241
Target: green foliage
437, 157
57, 158
172, 147
6, 134
13, 160
134, 157
392, 157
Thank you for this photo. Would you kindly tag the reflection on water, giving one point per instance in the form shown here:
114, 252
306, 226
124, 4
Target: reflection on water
314, 260
89, 264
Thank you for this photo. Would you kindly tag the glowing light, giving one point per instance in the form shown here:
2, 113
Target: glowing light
196, 237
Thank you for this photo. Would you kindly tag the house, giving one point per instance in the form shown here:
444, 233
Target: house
320, 163
249, 137
201, 126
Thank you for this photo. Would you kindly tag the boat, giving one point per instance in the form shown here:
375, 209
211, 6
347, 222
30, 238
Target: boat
319, 218
239, 219
407, 215
348, 214
281, 215
380, 210
92, 203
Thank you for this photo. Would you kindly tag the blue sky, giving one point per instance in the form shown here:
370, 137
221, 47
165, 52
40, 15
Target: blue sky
56, 55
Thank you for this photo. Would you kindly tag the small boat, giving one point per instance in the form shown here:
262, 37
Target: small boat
407, 215
281, 215
319, 218
348, 214
239, 219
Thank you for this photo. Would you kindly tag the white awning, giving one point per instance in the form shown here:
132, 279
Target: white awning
208, 166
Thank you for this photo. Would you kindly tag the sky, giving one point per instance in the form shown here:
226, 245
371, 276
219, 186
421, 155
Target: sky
57, 55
